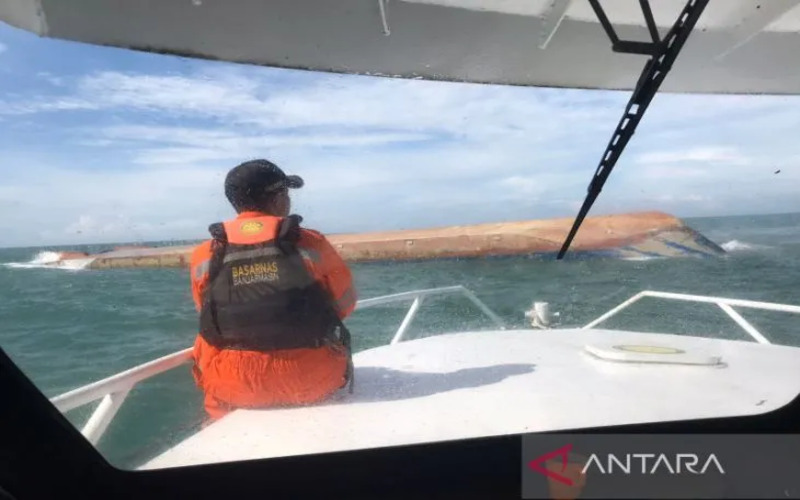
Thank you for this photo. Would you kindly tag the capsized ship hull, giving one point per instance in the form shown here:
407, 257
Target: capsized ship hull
644, 234
634, 235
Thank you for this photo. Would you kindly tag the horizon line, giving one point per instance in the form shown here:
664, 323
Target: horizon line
201, 239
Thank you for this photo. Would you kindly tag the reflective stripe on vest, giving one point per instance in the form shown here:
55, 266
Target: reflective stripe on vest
201, 269
347, 300
251, 254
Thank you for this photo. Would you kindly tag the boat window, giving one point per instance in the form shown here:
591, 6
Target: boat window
448, 201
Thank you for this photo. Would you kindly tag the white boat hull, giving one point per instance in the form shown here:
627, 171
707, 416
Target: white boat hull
480, 384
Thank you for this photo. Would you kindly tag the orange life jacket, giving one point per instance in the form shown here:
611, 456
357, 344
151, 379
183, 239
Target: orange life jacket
260, 295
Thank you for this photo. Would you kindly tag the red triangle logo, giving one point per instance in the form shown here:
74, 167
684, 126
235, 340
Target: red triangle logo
538, 464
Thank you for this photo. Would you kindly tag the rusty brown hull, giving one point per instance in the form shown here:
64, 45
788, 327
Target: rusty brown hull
626, 236
73, 255
144, 257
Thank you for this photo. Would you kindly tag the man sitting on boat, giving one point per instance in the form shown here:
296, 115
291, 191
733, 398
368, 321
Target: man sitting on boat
271, 297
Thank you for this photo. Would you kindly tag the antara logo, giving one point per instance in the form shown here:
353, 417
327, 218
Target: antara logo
546, 464
629, 463
651, 463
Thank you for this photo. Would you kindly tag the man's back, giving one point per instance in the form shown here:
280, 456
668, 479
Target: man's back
238, 377
321, 259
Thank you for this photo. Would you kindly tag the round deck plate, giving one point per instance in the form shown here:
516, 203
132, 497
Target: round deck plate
653, 353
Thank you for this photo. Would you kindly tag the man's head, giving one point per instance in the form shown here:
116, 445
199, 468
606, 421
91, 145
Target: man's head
260, 186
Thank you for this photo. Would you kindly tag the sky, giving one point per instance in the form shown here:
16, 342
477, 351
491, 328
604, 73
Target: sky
109, 145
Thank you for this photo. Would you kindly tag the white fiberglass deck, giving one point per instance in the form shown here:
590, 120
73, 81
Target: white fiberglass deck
478, 384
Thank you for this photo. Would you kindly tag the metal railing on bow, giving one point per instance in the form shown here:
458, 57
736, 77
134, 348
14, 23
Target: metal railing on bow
113, 390
727, 305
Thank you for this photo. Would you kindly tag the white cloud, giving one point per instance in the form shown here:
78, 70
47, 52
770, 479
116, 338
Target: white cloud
676, 172
376, 153
222, 98
119, 228
17, 106
180, 145
51, 78
3, 48
688, 197
85, 223
545, 186
458, 110
705, 155
70, 206
525, 185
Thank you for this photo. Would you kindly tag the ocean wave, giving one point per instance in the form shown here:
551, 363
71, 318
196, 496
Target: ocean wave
51, 260
741, 246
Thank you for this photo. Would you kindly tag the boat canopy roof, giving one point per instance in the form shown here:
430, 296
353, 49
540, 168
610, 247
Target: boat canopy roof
737, 46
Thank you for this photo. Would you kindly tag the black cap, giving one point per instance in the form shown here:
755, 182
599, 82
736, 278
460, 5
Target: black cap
248, 183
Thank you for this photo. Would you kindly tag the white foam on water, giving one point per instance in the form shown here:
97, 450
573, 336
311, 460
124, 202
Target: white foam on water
46, 258
51, 260
741, 246
640, 258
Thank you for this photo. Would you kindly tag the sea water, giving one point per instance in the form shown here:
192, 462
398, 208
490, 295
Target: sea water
66, 327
